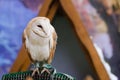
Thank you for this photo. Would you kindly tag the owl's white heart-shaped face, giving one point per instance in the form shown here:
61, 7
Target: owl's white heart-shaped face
41, 27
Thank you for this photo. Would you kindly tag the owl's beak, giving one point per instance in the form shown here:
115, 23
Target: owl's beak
44, 31
37, 33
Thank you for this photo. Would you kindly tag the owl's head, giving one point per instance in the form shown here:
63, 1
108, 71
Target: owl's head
40, 26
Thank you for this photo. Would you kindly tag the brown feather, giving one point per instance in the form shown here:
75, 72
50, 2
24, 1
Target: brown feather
52, 52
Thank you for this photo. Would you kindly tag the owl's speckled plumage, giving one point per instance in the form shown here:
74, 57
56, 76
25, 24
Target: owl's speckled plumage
40, 39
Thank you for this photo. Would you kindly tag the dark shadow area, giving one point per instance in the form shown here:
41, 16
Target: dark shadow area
69, 57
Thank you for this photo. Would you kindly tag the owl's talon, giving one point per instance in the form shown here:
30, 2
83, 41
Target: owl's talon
34, 71
44, 69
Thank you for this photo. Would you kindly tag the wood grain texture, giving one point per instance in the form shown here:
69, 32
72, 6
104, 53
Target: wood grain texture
49, 9
45, 8
53, 10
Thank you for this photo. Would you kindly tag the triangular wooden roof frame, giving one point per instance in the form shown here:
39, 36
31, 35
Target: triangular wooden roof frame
49, 9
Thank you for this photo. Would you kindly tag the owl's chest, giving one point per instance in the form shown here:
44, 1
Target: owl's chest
38, 47
39, 52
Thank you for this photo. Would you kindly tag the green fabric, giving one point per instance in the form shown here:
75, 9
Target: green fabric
23, 75
44, 76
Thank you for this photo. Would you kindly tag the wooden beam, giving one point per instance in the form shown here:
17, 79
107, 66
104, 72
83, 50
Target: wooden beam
49, 9
83, 36
53, 10
45, 8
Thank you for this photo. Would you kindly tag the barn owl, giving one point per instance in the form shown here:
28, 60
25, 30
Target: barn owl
40, 40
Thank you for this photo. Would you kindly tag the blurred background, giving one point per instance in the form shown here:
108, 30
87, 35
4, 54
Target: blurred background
100, 18
14, 16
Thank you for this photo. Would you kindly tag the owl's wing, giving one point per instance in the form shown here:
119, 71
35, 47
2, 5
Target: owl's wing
23, 37
52, 44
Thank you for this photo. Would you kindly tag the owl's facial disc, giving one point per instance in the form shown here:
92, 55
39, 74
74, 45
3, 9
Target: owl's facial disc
41, 27
39, 30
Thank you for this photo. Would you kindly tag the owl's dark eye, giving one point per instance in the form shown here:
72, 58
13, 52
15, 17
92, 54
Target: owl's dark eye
39, 26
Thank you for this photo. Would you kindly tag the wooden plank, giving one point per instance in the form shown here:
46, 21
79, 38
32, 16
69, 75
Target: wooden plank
53, 10
45, 8
26, 64
49, 9
84, 38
